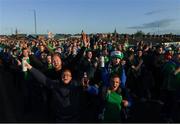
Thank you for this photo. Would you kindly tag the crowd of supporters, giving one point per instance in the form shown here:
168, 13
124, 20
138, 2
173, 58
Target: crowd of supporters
87, 80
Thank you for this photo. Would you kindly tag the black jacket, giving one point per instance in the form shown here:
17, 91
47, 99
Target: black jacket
66, 101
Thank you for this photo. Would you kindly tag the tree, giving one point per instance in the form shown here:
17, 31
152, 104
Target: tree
148, 35
139, 34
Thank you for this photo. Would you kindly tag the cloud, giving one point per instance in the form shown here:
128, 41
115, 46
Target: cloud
161, 24
161, 10
135, 27
154, 12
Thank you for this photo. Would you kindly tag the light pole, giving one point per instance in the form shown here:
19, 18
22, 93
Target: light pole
158, 28
35, 26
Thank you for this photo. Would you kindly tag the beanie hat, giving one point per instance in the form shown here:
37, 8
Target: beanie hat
117, 54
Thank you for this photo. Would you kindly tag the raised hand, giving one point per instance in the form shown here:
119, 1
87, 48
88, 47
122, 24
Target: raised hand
29, 51
84, 37
125, 103
85, 80
18, 62
43, 42
85, 40
141, 62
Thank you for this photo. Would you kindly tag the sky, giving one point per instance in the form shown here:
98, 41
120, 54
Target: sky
92, 16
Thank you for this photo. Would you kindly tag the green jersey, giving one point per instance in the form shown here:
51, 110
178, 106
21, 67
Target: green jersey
113, 107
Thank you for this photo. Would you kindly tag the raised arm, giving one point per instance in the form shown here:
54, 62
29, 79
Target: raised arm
49, 48
36, 63
39, 76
